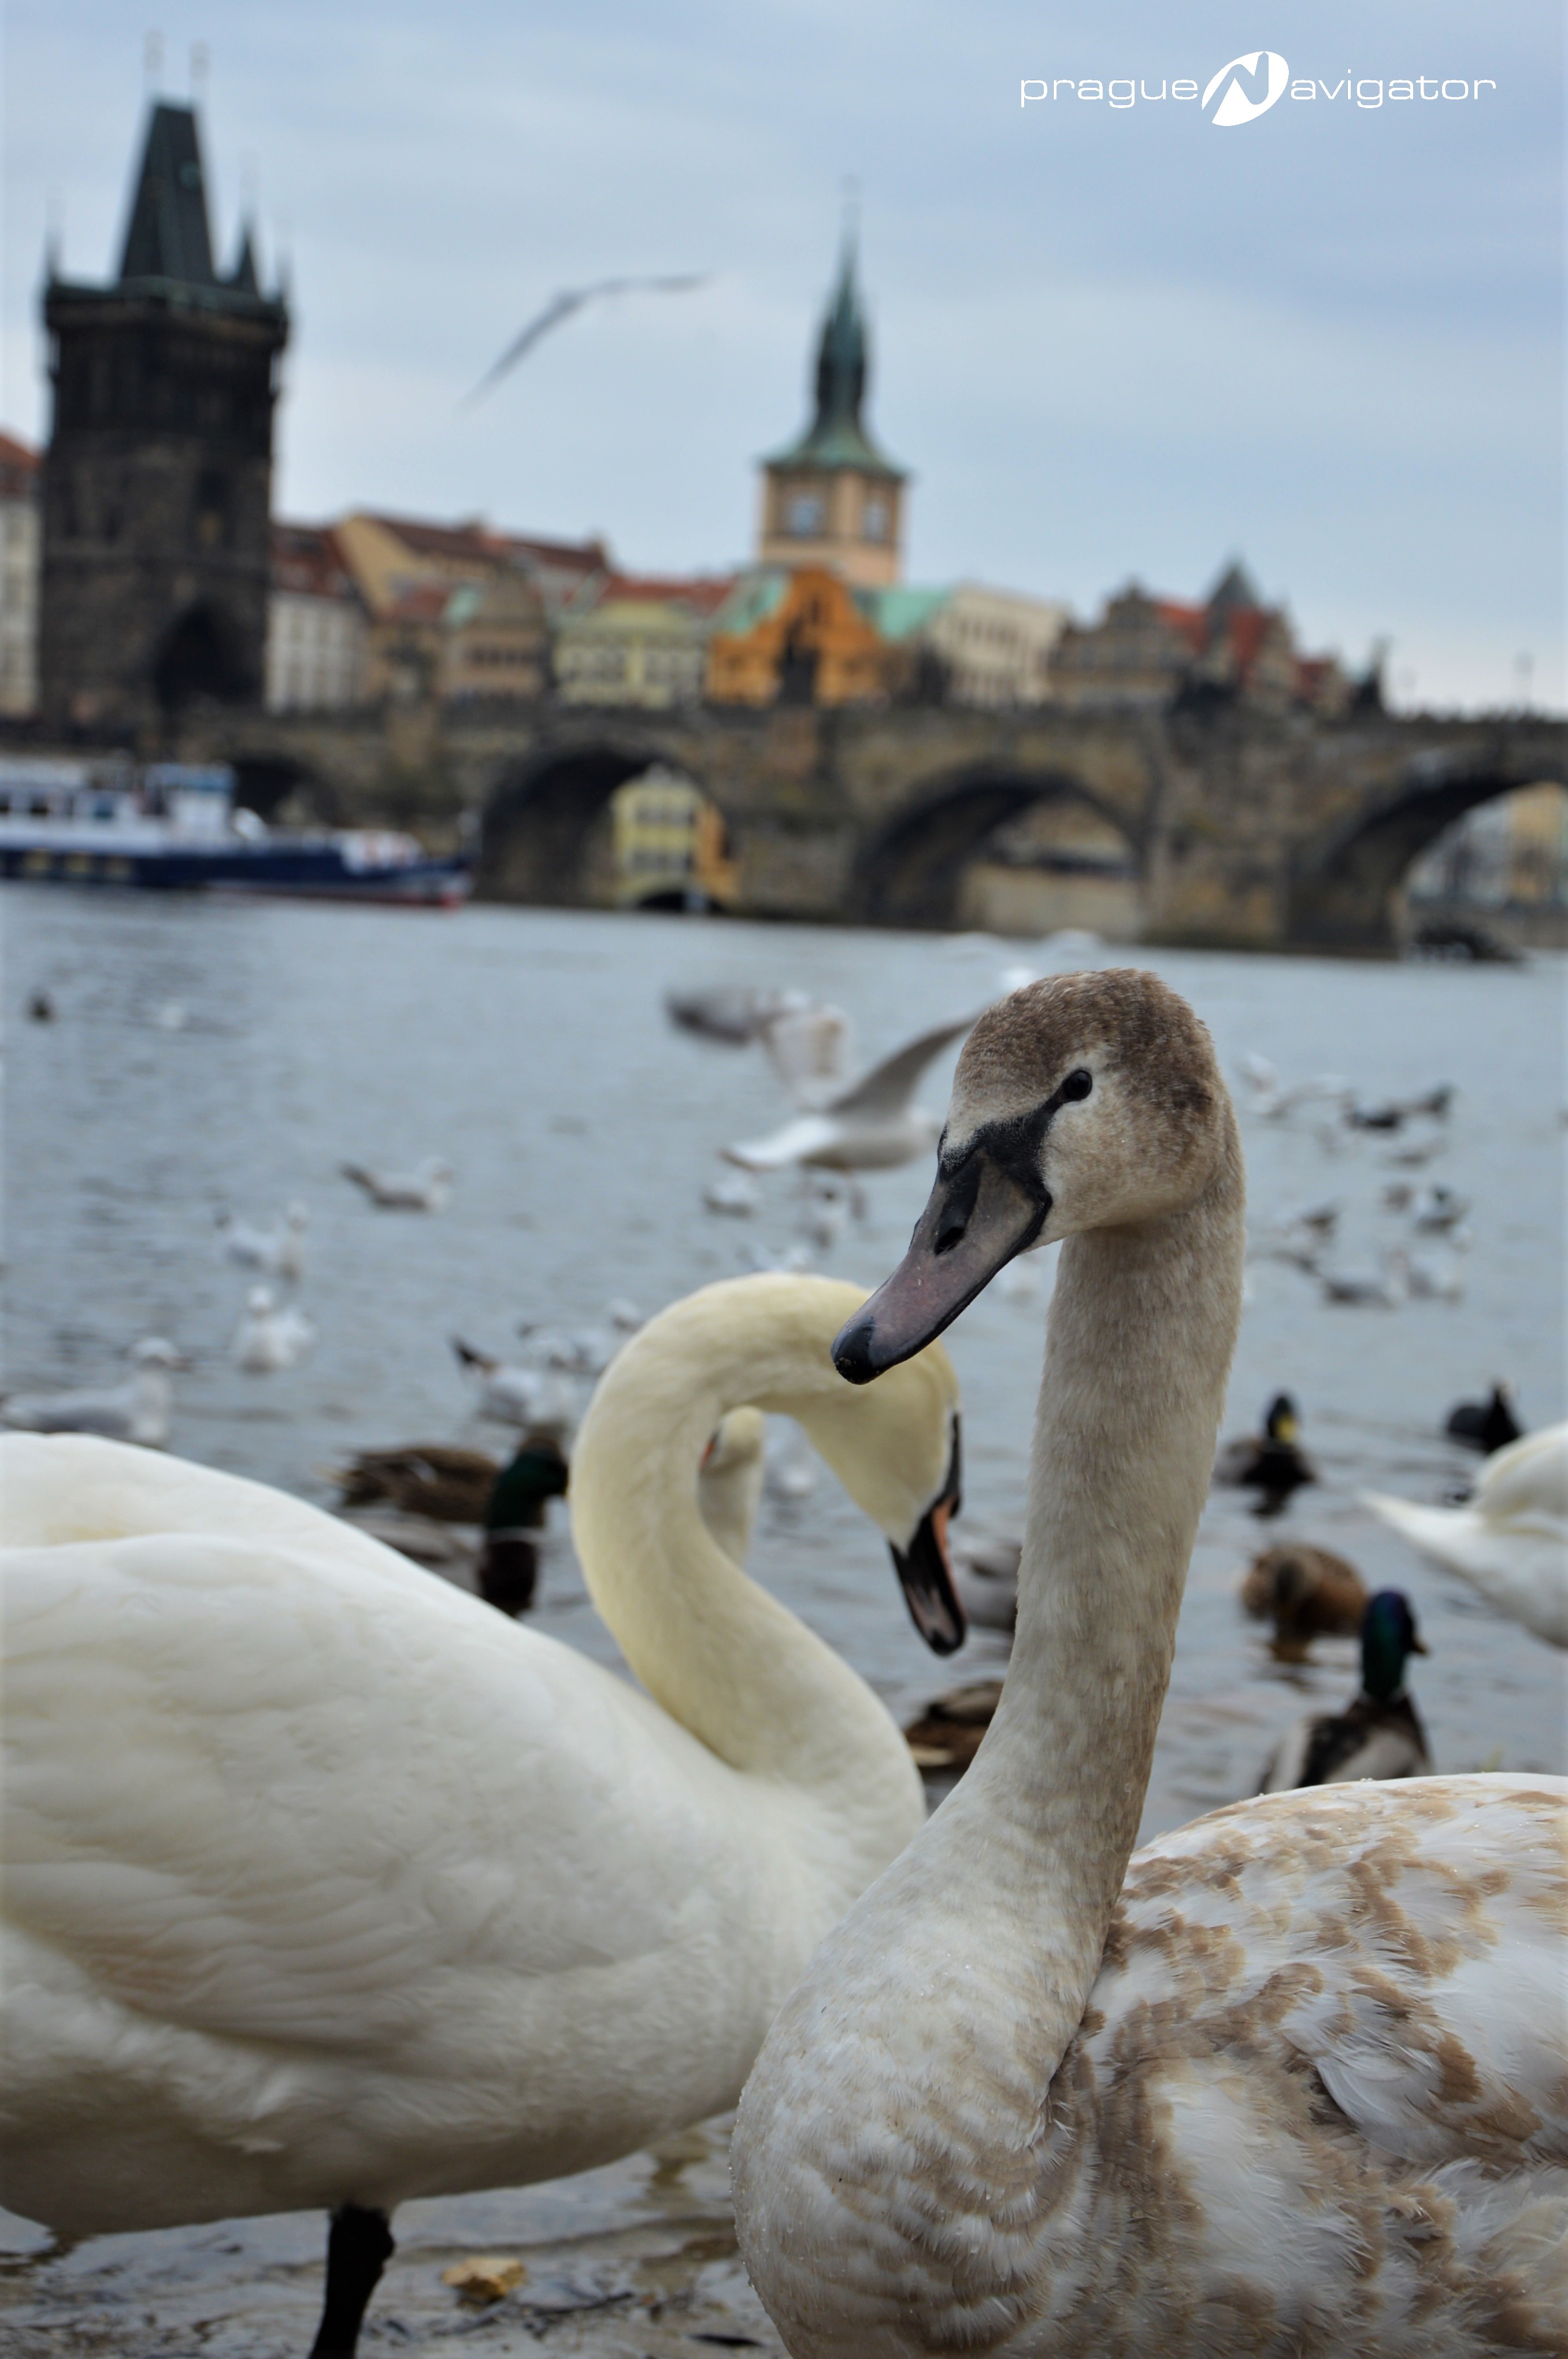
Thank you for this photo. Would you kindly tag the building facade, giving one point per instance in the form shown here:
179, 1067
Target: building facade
832, 498
1159, 651
985, 648
799, 637
156, 557
18, 578
317, 628
640, 641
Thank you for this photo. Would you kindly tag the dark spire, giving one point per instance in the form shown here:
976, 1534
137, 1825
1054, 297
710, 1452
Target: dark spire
168, 236
243, 277
1235, 587
836, 436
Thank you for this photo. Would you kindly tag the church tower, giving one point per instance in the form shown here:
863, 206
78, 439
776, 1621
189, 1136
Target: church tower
158, 476
832, 498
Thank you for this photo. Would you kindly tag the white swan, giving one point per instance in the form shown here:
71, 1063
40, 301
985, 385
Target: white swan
325, 1885
1511, 1541
139, 1410
1298, 2085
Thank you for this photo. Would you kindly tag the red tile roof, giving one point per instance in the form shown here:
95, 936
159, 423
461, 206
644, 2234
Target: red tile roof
19, 469
702, 593
306, 560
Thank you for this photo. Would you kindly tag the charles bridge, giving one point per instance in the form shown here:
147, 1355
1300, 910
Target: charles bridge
1242, 828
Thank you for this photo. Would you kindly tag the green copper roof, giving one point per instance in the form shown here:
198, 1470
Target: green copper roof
836, 436
899, 613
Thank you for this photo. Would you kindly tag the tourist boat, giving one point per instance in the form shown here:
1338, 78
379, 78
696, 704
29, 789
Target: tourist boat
174, 824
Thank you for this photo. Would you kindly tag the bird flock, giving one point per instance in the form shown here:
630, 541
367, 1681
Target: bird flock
1004, 2082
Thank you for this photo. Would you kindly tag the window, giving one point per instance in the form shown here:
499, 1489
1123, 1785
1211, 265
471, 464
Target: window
875, 520
805, 513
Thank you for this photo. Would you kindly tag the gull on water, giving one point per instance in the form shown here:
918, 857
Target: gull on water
507, 1393
423, 1190
279, 1250
137, 1410
269, 1337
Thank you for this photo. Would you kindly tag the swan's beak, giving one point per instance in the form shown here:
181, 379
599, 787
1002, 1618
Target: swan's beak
925, 1569
978, 1218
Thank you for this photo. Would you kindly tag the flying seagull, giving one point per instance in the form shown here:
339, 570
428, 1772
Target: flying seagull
561, 307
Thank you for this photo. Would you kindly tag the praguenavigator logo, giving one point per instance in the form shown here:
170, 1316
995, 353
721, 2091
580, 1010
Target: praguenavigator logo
1247, 87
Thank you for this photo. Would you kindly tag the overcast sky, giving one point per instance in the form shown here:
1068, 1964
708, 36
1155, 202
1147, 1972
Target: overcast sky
1108, 342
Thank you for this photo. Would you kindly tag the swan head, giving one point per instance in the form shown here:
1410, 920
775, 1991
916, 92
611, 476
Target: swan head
1082, 1102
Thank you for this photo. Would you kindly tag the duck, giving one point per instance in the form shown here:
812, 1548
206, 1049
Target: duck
426, 1188
1288, 2079
1306, 1593
1510, 1540
872, 1126
139, 1410
1272, 1462
329, 1888
946, 1736
1486, 1425
270, 1336
1379, 1734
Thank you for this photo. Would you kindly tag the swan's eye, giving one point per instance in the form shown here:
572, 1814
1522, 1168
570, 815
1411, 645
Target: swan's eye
1077, 1084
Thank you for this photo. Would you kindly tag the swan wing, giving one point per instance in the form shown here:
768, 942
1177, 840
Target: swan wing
1529, 1477
347, 1828
1396, 1949
1521, 1566
886, 1089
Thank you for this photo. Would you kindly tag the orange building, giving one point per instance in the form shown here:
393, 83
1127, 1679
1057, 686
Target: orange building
796, 637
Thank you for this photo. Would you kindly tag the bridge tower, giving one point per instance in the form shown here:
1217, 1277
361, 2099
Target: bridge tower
158, 476
832, 498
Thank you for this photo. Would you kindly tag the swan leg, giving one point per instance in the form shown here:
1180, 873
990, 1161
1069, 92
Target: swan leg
359, 2245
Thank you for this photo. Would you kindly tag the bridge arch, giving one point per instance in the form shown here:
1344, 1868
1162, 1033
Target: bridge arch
1343, 892
540, 817
911, 872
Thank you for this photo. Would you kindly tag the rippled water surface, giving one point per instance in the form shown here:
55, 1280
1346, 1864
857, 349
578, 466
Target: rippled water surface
206, 1055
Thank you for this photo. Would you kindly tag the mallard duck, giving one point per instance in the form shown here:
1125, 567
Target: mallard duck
1291, 2080
1306, 1593
1378, 1734
452, 1485
1272, 1462
947, 1734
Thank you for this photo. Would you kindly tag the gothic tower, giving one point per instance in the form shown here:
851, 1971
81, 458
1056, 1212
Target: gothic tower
832, 498
158, 476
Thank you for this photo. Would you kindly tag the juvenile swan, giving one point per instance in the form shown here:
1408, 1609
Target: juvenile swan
326, 1885
1296, 2086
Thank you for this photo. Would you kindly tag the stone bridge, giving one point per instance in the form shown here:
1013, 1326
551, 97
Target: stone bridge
1242, 828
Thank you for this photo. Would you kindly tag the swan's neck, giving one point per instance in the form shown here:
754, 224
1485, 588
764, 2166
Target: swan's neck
718, 1653
1142, 1327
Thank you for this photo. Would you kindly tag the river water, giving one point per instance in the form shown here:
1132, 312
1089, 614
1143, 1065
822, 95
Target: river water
207, 1055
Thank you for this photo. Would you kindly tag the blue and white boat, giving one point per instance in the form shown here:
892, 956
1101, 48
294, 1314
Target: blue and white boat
173, 825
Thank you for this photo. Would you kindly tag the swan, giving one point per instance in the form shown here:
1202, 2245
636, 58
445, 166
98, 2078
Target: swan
268, 1337
872, 1126
1296, 2086
1307, 1594
141, 1409
1511, 1540
423, 1190
325, 1885
1379, 1734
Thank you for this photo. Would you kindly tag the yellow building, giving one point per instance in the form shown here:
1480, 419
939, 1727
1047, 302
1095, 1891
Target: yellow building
798, 637
832, 498
670, 849
643, 642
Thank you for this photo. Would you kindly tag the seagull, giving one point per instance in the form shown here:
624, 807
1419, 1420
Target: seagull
510, 1394
279, 1250
266, 1337
561, 306
425, 1190
869, 1128
137, 1410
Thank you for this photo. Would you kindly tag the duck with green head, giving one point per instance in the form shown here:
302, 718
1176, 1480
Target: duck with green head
1379, 1734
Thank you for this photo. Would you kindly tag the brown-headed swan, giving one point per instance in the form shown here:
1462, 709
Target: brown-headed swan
327, 1885
1292, 2082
